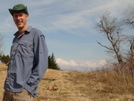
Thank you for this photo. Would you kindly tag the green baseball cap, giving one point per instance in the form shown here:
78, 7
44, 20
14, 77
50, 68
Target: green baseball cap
18, 8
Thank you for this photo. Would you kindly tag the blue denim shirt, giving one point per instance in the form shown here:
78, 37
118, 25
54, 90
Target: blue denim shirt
28, 61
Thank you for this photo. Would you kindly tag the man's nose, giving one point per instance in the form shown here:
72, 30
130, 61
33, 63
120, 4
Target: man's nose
18, 18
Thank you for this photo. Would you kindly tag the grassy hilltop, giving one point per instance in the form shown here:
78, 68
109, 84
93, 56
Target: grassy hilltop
79, 86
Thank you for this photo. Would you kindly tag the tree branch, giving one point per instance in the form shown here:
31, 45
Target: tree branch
104, 46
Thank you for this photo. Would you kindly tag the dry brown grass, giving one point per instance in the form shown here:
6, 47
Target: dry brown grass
104, 85
115, 82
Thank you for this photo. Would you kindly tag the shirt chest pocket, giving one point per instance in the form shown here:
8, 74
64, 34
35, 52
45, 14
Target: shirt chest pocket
25, 49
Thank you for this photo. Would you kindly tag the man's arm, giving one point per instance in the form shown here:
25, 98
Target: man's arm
40, 62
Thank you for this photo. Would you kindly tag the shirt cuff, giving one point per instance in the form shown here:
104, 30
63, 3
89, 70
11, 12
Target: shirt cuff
30, 89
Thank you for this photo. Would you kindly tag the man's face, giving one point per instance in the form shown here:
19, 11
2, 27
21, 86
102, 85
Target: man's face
20, 19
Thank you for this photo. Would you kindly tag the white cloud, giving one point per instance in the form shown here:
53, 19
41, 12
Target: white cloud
69, 14
8, 24
74, 14
62, 62
79, 66
93, 64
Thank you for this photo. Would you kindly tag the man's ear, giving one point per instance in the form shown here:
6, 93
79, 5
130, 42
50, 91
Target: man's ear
27, 16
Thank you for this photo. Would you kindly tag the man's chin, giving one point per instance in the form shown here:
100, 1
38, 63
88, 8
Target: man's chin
20, 27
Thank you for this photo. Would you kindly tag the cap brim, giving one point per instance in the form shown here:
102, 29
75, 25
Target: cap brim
13, 11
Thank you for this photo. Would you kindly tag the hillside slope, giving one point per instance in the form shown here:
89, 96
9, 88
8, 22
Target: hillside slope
53, 87
69, 86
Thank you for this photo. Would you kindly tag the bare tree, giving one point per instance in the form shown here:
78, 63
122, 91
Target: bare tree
112, 31
129, 21
1, 44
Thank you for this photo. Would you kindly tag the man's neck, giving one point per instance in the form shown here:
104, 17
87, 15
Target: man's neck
21, 30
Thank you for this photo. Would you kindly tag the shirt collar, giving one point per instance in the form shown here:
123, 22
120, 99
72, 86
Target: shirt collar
27, 30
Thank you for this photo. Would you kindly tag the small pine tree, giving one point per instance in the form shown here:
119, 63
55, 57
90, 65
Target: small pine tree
4, 59
52, 63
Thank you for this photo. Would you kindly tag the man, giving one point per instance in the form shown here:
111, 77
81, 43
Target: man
28, 59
